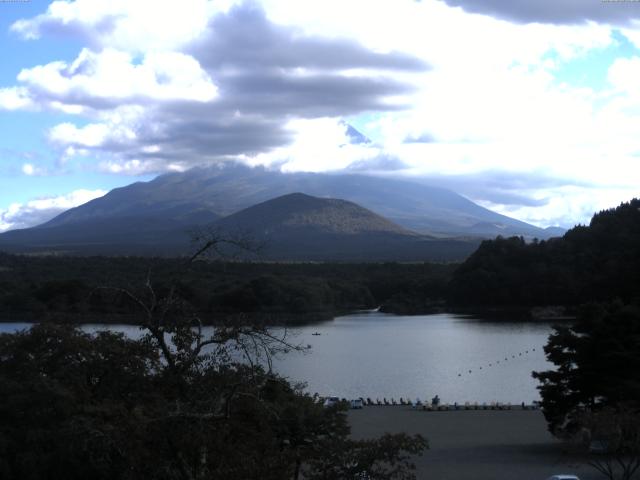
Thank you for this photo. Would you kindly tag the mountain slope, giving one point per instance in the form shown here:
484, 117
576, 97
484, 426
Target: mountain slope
301, 227
122, 235
227, 189
301, 211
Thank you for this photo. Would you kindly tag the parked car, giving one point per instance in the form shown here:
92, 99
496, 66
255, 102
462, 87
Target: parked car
357, 403
330, 401
563, 477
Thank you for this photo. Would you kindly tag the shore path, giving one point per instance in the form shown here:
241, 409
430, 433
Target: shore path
476, 445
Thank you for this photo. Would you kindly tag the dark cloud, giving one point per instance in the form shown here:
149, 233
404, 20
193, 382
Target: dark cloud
206, 131
244, 38
319, 95
554, 11
266, 75
273, 70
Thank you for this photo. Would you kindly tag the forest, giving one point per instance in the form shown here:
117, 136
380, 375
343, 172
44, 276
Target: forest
598, 262
81, 289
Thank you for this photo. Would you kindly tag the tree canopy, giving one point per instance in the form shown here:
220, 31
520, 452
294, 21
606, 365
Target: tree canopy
598, 262
597, 363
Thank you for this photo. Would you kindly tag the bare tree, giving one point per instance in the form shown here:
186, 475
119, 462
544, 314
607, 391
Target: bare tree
613, 440
175, 327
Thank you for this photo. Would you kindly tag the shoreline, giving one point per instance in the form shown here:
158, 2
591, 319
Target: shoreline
280, 319
477, 444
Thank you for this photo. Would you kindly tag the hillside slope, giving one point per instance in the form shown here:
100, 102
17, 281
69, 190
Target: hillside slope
301, 227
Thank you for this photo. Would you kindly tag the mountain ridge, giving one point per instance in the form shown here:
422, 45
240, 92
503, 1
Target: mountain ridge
224, 190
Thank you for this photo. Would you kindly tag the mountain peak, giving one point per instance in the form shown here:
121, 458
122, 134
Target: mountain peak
298, 210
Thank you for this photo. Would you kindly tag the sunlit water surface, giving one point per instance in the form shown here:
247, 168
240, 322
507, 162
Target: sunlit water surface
380, 355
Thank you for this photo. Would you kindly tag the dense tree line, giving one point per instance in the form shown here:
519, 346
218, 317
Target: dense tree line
590, 263
71, 288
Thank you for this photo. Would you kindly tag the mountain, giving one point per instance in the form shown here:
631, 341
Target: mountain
298, 211
295, 227
301, 227
155, 217
224, 190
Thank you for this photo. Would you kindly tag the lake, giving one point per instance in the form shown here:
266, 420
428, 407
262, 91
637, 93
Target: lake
382, 355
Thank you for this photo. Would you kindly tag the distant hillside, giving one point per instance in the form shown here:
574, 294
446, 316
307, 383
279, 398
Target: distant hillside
230, 188
300, 211
120, 235
302, 227
589, 263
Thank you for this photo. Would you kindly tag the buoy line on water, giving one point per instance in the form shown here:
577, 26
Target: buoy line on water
497, 362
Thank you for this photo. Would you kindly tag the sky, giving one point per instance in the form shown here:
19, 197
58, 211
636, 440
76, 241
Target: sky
530, 108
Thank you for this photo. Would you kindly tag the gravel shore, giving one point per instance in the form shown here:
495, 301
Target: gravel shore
476, 445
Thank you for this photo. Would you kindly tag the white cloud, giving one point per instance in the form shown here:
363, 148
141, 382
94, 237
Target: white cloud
320, 144
438, 33
139, 26
624, 76
40, 210
567, 206
14, 98
136, 167
110, 77
92, 135
32, 170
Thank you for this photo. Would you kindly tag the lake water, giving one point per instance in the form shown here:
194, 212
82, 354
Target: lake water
380, 355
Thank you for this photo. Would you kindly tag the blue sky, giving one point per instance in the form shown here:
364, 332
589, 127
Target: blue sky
23, 138
532, 110
590, 70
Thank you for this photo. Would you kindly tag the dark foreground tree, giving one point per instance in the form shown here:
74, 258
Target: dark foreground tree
172, 404
73, 405
593, 395
597, 363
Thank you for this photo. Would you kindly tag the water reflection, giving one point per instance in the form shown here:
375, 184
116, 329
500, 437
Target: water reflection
458, 358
